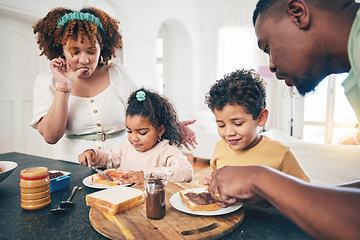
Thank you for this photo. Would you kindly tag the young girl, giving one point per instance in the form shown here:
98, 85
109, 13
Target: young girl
153, 139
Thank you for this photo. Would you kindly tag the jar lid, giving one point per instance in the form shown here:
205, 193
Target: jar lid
34, 173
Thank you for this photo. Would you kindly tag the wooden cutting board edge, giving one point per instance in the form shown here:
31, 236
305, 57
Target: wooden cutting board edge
116, 227
108, 232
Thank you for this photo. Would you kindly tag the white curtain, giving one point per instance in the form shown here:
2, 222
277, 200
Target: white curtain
237, 46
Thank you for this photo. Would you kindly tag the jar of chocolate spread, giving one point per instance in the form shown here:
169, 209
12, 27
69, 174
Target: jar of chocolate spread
155, 195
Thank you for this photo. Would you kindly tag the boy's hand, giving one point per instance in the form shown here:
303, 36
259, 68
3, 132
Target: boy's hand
206, 180
133, 177
87, 157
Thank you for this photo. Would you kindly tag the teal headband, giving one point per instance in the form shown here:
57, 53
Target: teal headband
79, 16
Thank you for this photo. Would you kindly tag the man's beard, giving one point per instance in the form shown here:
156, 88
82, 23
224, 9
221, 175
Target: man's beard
305, 87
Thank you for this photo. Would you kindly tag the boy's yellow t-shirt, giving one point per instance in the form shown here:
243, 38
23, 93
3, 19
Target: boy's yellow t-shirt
267, 152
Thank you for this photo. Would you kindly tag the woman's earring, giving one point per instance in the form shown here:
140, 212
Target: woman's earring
101, 60
159, 138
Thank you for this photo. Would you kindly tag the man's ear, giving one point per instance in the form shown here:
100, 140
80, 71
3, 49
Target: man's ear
299, 11
262, 118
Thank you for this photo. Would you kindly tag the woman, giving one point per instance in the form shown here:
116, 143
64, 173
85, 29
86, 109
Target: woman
83, 96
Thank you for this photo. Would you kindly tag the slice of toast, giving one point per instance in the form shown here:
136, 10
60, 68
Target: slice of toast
202, 205
119, 209
114, 173
115, 198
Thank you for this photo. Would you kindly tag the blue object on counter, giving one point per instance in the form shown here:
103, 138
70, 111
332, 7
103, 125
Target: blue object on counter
60, 182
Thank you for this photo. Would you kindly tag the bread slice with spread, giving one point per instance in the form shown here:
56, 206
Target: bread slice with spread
114, 173
199, 201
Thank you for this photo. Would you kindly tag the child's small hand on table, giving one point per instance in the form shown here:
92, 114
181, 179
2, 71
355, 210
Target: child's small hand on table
86, 158
133, 177
206, 180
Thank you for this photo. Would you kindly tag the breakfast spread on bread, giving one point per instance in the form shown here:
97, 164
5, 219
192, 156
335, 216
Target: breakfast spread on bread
202, 201
115, 174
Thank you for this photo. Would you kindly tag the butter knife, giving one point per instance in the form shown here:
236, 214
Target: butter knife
102, 173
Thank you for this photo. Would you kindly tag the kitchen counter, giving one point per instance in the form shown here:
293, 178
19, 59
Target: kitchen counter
16, 223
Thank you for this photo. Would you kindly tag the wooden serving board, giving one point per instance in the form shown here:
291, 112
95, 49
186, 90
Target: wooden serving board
133, 224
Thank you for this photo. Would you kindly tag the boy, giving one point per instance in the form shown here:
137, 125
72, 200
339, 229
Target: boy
238, 102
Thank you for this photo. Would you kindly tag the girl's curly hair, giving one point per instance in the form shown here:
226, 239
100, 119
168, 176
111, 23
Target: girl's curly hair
242, 87
52, 39
159, 111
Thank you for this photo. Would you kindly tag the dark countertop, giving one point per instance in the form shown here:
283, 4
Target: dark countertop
17, 223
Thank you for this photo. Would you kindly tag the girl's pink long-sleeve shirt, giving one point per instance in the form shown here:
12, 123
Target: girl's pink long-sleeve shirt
162, 157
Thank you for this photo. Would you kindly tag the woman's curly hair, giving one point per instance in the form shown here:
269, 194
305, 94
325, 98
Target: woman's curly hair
159, 111
52, 39
242, 87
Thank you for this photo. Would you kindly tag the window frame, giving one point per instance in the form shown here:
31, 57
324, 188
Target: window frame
329, 123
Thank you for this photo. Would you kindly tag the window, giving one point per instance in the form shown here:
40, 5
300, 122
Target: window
327, 113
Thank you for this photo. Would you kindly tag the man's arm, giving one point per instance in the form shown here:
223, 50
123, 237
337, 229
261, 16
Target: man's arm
322, 212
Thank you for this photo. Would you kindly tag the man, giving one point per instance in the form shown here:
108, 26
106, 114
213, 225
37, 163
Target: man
306, 40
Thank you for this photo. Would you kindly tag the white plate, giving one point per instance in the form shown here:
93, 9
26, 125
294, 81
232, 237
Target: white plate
177, 203
7, 168
89, 183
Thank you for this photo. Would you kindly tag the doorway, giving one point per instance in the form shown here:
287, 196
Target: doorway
175, 66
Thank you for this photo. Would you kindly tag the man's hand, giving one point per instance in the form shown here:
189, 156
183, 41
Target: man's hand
231, 184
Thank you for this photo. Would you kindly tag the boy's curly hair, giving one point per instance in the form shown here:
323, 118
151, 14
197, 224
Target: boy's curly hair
159, 111
52, 39
242, 87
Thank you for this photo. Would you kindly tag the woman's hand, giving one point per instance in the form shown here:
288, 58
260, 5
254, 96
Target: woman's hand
136, 177
87, 157
63, 74
188, 135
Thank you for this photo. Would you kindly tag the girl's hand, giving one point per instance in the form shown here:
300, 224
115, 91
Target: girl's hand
63, 74
87, 157
188, 135
133, 177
